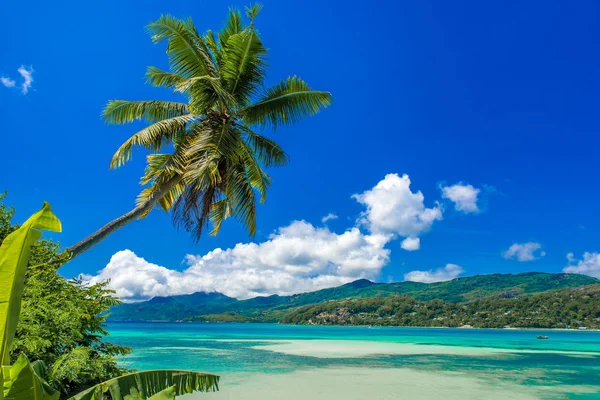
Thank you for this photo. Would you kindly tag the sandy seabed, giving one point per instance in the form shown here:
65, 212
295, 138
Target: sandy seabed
371, 383
357, 383
358, 348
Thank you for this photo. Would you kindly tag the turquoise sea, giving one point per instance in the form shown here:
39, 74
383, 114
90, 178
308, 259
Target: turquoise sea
270, 361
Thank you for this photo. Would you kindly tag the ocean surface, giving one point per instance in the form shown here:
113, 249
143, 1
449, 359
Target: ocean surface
270, 361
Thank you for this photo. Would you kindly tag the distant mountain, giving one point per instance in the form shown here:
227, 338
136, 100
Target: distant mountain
273, 308
172, 308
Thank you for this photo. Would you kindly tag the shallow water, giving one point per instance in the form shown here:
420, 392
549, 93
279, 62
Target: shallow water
270, 361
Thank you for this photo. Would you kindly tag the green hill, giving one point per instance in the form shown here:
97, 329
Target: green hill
273, 308
565, 308
172, 308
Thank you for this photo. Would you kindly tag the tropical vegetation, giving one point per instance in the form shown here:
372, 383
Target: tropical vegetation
25, 380
567, 308
208, 157
62, 321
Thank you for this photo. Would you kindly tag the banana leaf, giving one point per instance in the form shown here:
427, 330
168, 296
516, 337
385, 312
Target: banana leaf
151, 385
14, 256
22, 383
25, 380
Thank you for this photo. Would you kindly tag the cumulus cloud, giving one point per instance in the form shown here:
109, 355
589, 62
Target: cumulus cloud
7, 82
27, 74
449, 272
296, 258
589, 265
463, 196
411, 244
524, 251
329, 217
393, 209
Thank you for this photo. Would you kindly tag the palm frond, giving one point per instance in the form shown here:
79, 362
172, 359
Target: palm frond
158, 165
267, 151
124, 111
257, 177
160, 169
142, 385
212, 44
233, 25
158, 77
188, 54
152, 138
206, 93
166, 202
243, 68
285, 103
212, 143
219, 212
192, 210
253, 10
240, 194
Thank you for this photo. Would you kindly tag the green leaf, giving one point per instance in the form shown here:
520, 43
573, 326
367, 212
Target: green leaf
167, 394
160, 78
22, 383
155, 385
253, 10
232, 26
286, 103
243, 68
153, 138
188, 54
14, 256
124, 111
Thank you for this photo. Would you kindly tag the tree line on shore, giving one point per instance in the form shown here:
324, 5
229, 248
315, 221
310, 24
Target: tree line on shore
566, 308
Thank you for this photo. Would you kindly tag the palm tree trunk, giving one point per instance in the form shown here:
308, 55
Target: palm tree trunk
123, 220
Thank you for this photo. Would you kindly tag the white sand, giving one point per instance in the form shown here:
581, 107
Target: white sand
357, 348
365, 383
357, 383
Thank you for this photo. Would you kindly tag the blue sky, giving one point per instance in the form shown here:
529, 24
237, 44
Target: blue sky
502, 97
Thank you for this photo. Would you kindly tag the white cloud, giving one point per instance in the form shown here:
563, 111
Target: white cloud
524, 251
450, 271
411, 244
464, 197
297, 258
7, 82
329, 217
26, 73
393, 209
589, 265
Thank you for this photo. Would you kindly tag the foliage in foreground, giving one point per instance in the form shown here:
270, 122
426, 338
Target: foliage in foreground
567, 308
62, 321
29, 381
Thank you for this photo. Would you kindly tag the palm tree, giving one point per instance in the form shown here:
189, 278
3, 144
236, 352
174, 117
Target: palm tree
216, 164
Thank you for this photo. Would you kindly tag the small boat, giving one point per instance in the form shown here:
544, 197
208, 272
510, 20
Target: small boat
542, 337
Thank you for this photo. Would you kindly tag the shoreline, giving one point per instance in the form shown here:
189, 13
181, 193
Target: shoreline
354, 326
